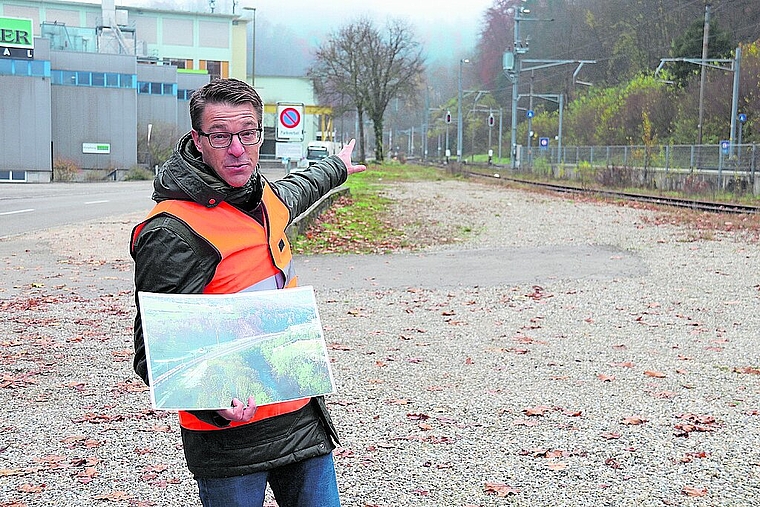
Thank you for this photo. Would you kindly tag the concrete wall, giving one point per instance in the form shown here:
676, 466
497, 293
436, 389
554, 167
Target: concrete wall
156, 108
83, 114
187, 81
26, 119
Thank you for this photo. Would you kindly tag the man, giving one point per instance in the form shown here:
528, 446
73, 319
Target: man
219, 227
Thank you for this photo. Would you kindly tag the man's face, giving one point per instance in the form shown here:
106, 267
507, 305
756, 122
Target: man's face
236, 163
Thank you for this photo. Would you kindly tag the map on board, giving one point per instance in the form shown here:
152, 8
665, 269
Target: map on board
205, 349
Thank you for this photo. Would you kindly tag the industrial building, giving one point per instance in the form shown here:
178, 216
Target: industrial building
99, 87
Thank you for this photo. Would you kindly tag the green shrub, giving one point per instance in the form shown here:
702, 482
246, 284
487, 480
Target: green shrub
586, 172
138, 173
65, 169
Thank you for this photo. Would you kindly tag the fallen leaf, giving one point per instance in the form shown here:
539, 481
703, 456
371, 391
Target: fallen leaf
633, 420
31, 488
654, 374
748, 370
694, 491
499, 489
536, 411
115, 496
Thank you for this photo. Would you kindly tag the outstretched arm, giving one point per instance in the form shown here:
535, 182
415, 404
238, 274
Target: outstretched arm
345, 156
300, 189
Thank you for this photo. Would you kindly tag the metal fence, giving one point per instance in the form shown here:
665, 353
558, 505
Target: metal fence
723, 165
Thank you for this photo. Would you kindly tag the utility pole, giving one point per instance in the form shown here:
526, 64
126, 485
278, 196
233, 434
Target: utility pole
253, 44
703, 72
530, 118
731, 65
459, 111
511, 67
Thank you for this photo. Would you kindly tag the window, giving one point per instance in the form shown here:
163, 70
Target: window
112, 80
214, 69
99, 79
184, 94
149, 88
69, 78
128, 80
36, 68
180, 64
84, 78
40, 68
12, 175
6, 66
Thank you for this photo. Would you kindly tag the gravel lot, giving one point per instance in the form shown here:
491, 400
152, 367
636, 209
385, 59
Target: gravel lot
608, 387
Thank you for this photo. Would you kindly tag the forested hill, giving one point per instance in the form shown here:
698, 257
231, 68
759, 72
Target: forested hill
628, 39
625, 37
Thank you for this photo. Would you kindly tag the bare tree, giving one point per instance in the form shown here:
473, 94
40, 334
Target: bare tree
370, 68
338, 71
395, 68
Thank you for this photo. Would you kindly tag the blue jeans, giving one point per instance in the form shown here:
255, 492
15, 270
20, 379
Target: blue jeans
308, 483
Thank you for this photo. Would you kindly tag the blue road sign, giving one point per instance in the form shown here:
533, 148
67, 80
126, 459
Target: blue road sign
530, 113
724, 146
543, 142
743, 118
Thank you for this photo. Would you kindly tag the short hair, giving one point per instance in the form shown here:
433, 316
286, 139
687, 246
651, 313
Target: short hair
223, 91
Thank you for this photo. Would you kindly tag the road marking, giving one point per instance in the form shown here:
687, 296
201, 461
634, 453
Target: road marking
96, 202
17, 211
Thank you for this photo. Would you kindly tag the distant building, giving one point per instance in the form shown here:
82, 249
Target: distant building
93, 84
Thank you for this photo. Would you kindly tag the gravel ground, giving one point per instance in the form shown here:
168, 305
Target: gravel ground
641, 388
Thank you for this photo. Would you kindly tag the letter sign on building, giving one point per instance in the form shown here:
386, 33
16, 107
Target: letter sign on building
289, 122
16, 38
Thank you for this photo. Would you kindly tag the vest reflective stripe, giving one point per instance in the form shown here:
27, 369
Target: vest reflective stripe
252, 258
272, 283
189, 421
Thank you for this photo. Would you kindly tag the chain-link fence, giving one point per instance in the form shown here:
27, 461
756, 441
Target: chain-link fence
686, 168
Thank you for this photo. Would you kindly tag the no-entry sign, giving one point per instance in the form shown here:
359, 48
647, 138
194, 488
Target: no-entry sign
289, 122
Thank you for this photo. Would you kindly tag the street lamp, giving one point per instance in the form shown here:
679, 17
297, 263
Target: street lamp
459, 111
253, 45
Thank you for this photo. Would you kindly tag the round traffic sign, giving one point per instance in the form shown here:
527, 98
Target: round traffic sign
290, 117
530, 113
743, 118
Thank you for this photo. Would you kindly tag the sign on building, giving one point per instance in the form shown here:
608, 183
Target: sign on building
97, 148
16, 38
289, 122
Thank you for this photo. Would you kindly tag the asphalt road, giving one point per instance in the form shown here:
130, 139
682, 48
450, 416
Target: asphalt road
31, 207
28, 208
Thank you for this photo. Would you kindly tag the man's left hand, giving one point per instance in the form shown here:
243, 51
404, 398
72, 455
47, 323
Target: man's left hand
345, 156
239, 411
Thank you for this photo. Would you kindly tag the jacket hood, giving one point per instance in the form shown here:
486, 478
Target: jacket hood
184, 176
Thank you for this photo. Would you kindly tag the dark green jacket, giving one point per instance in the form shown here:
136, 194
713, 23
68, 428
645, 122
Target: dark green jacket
171, 258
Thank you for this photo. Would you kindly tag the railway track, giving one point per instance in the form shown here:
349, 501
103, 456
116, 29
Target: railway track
699, 205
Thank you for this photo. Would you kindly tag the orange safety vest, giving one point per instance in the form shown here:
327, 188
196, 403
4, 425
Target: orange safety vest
253, 258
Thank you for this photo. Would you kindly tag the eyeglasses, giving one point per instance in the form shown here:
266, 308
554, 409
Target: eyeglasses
247, 137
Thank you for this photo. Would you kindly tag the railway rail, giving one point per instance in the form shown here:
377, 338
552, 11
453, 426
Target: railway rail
699, 205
